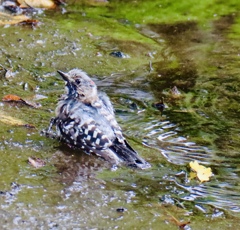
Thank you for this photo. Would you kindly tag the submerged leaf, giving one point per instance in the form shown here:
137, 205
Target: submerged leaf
47, 4
13, 121
8, 19
96, 2
203, 173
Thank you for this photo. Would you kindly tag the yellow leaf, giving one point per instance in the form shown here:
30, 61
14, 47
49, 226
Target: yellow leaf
194, 165
47, 4
203, 173
192, 175
13, 121
7, 19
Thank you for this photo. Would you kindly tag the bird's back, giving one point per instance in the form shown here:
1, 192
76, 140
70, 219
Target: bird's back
85, 119
79, 123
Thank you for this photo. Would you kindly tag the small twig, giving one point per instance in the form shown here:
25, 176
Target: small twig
150, 66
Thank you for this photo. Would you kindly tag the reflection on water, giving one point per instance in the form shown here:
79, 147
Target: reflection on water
175, 148
221, 191
76, 166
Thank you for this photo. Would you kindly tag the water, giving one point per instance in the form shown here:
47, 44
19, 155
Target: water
79, 191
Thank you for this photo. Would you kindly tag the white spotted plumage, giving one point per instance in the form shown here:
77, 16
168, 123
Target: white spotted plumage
85, 119
95, 133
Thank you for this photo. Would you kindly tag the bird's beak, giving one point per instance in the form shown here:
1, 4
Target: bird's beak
63, 75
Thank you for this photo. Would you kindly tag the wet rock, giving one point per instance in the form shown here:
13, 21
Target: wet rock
218, 214
159, 105
121, 209
167, 200
119, 54
12, 7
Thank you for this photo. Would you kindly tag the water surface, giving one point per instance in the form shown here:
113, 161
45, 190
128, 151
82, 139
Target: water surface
168, 45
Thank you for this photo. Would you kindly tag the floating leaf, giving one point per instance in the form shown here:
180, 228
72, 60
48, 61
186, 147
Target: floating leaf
15, 98
8, 19
46, 4
12, 97
36, 162
203, 173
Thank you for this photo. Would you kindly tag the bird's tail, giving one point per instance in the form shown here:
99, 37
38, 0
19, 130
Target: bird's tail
129, 156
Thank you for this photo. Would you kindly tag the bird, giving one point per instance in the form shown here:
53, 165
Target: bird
85, 119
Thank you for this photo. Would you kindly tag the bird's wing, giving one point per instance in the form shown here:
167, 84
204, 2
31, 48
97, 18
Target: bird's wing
106, 102
88, 137
83, 133
82, 125
93, 137
107, 111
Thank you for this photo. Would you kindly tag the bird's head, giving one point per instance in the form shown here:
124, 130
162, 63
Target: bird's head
80, 85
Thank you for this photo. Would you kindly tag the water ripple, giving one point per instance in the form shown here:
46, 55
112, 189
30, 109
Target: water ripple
222, 191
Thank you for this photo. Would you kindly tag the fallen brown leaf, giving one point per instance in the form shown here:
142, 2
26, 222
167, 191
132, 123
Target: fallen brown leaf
15, 98
46, 4
180, 224
12, 97
8, 19
30, 22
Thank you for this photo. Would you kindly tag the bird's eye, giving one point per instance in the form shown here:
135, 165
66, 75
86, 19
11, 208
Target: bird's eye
78, 81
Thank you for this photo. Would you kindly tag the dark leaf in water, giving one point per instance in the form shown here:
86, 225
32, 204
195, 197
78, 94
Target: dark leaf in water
159, 105
121, 209
119, 54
